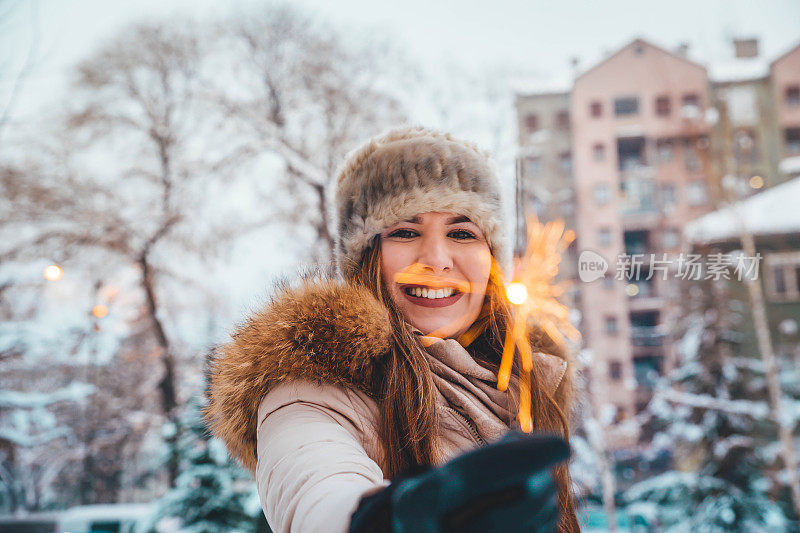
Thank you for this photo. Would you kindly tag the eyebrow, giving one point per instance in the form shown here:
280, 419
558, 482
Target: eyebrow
454, 220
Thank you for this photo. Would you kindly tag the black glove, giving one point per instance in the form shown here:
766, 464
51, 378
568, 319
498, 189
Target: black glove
503, 487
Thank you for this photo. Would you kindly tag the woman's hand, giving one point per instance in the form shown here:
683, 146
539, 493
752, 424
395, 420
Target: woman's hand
506, 486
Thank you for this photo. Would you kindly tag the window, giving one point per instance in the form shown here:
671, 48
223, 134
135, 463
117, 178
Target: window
690, 106
604, 236
691, 157
533, 165
666, 150
611, 325
670, 239
631, 152
668, 197
782, 276
608, 281
599, 152
636, 241
531, 122
792, 96
615, 370
565, 162
797, 277
792, 136
663, 106
601, 196
562, 120
596, 109
779, 280
626, 106
696, 193
647, 369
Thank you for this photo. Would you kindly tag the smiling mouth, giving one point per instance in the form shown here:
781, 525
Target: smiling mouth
430, 296
431, 293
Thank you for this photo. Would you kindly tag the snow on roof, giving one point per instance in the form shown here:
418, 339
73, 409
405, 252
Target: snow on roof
534, 86
740, 69
772, 212
790, 165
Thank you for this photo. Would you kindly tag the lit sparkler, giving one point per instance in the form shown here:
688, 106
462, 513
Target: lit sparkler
533, 294
53, 273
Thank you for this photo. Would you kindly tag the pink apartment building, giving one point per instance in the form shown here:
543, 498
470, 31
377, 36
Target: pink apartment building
640, 145
785, 76
627, 154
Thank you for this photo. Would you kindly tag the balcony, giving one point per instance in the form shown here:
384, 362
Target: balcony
648, 336
638, 190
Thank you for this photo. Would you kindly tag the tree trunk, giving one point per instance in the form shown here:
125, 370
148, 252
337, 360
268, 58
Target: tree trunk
323, 230
785, 426
167, 385
597, 440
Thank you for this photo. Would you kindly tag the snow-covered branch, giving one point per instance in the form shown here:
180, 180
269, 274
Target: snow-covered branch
702, 401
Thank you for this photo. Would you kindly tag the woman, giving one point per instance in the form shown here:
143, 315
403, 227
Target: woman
338, 386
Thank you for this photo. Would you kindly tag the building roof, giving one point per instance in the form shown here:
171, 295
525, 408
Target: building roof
783, 55
637, 42
771, 212
739, 69
542, 86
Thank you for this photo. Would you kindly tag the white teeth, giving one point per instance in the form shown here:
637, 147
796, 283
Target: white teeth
431, 294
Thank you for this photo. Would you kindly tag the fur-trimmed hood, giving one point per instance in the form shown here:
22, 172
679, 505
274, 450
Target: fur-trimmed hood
322, 330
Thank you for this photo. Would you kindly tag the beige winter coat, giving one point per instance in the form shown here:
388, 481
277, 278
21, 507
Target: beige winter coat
293, 397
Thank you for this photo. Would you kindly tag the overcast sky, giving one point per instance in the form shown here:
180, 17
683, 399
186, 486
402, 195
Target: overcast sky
536, 36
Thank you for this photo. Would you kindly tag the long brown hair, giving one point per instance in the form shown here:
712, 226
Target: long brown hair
408, 424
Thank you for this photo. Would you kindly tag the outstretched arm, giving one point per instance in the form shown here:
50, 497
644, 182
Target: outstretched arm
312, 469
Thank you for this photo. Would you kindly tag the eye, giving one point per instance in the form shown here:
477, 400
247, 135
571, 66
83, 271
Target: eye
403, 233
461, 234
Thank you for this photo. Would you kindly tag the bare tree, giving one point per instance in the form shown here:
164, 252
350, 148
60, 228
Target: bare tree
134, 98
159, 122
17, 79
308, 97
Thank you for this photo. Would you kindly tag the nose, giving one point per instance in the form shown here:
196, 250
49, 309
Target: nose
434, 253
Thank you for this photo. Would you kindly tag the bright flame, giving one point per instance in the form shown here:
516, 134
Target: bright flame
100, 311
53, 273
534, 298
756, 182
516, 293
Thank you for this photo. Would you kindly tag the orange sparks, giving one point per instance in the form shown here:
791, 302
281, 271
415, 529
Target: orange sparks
534, 297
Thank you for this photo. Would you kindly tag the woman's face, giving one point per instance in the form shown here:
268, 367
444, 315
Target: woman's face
436, 268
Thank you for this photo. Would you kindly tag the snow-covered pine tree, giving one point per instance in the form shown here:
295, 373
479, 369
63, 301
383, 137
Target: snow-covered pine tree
711, 414
212, 493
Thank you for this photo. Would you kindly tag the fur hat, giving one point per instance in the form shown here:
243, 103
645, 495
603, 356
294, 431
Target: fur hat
409, 171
